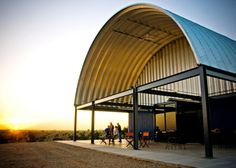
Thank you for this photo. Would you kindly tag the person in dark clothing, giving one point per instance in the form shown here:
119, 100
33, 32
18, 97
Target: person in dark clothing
111, 133
107, 131
119, 131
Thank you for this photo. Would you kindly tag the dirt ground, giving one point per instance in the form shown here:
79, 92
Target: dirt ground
57, 155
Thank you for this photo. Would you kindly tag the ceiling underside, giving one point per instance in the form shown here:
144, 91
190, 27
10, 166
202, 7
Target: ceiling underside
128, 41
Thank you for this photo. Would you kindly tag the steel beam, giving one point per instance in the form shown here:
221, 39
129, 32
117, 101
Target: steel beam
205, 113
135, 118
110, 109
75, 124
80, 107
115, 96
165, 81
136, 37
126, 105
92, 123
171, 79
172, 94
221, 75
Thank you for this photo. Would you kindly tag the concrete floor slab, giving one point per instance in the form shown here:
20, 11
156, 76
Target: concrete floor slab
193, 155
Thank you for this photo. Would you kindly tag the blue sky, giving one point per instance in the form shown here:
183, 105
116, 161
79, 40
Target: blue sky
43, 45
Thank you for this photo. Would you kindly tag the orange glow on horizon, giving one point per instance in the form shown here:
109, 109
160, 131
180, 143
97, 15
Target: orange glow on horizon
15, 123
102, 119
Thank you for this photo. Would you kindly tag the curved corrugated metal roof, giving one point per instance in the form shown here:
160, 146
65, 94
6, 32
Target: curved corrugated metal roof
131, 37
211, 48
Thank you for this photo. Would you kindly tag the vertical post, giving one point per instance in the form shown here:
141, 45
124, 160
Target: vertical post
165, 119
205, 113
92, 123
135, 117
165, 116
154, 123
154, 118
75, 124
177, 115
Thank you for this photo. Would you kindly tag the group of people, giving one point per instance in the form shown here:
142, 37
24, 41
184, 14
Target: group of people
112, 132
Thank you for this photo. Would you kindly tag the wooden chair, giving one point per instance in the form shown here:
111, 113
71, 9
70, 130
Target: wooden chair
103, 139
176, 142
144, 139
129, 137
171, 142
111, 139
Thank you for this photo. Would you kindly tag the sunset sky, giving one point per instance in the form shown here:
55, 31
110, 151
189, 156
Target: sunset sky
43, 44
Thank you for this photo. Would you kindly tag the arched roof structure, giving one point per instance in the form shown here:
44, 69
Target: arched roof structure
129, 40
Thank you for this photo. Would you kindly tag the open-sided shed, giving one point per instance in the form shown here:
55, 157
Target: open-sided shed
144, 56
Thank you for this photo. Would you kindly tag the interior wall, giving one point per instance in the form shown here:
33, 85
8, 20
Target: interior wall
146, 122
223, 114
189, 121
173, 58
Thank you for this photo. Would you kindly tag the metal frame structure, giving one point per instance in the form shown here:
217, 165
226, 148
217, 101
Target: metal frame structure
145, 51
201, 71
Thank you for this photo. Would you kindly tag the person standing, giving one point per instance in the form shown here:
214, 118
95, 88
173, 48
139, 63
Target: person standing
111, 132
107, 131
119, 131
116, 132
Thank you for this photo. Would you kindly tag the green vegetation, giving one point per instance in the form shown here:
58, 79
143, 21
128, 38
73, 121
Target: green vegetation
11, 136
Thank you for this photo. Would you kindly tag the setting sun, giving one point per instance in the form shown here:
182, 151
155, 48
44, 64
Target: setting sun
16, 123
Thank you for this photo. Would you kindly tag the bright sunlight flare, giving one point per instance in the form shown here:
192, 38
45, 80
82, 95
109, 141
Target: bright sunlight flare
16, 123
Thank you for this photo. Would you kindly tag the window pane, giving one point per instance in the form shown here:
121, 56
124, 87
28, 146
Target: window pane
171, 121
160, 121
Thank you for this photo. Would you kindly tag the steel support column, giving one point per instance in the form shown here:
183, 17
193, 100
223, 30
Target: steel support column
92, 123
165, 119
135, 118
75, 124
205, 113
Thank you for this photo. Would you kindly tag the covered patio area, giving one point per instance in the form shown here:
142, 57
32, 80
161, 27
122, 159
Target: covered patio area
191, 156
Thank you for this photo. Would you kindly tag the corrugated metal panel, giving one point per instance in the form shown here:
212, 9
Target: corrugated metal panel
146, 122
130, 38
219, 86
211, 48
121, 50
173, 58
